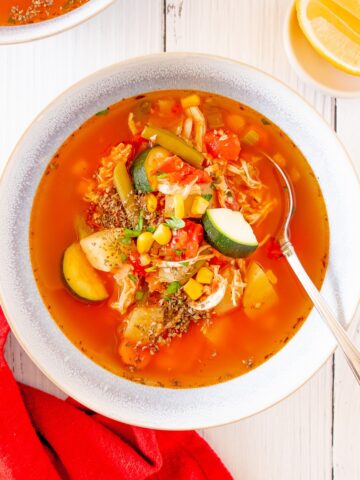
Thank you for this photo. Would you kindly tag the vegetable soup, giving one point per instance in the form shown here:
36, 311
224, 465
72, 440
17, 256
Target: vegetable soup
153, 238
21, 12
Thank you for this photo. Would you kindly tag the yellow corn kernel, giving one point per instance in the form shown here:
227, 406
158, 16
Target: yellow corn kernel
280, 160
199, 205
193, 289
151, 202
145, 259
271, 276
162, 234
144, 242
205, 276
190, 101
179, 206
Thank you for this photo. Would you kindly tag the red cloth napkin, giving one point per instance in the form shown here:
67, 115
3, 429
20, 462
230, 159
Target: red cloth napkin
44, 438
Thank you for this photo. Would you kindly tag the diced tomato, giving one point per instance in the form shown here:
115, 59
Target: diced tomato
273, 249
138, 268
177, 108
138, 144
223, 144
171, 164
186, 240
179, 171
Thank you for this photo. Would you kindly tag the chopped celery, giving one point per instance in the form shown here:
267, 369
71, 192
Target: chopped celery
251, 138
175, 144
125, 189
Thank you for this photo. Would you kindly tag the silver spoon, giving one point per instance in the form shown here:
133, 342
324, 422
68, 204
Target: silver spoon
352, 354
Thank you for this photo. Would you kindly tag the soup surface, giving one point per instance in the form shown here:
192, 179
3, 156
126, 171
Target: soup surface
21, 12
153, 238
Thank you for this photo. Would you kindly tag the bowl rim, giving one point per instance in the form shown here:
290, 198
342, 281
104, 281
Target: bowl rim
26, 33
104, 73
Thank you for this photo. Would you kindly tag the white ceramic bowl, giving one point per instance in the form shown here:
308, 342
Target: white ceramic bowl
34, 31
76, 374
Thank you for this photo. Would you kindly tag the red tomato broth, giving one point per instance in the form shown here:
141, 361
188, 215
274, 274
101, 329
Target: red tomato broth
20, 12
237, 343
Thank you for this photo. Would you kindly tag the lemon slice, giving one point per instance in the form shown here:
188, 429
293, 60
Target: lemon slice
333, 29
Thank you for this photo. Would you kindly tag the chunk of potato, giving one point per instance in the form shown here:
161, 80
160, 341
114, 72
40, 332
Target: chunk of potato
259, 294
104, 249
143, 323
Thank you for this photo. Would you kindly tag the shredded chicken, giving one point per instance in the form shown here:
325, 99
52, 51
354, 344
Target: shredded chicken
104, 176
127, 289
244, 173
238, 284
187, 128
176, 189
132, 125
200, 126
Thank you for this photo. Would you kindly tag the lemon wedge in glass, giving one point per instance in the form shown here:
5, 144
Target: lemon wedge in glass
333, 29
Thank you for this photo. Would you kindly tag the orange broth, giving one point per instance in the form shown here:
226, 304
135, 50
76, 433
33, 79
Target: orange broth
235, 343
20, 12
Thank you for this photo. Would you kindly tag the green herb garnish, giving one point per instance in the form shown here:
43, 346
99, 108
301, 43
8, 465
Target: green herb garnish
139, 295
140, 223
162, 175
207, 196
125, 240
175, 223
132, 277
173, 287
185, 264
123, 257
103, 112
131, 233
178, 252
151, 269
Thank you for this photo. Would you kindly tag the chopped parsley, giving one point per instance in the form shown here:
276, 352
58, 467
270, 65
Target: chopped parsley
139, 295
207, 196
133, 278
185, 264
162, 175
125, 240
173, 287
178, 252
265, 121
103, 112
175, 223
131, 233
123, 257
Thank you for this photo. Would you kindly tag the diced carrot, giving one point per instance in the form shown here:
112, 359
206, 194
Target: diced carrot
235, 122
133, 356
80, 167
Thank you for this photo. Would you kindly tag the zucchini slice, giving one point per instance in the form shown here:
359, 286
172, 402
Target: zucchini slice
143, 166
229, 232
80, 276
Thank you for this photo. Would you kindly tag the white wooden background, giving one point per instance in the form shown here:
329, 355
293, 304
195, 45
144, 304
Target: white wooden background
315, 433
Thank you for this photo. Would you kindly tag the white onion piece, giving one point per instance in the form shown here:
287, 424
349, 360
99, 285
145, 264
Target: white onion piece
214, 298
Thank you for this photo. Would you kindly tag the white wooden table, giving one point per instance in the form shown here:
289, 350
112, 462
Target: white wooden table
315, 433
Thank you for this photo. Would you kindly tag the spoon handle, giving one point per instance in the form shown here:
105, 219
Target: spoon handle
352, 354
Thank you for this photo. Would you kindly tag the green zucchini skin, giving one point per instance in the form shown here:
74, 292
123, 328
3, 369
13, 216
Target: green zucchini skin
139, 175
222, 243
